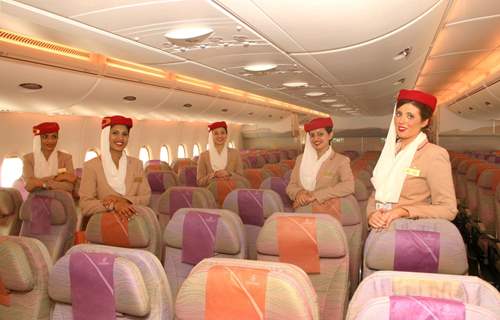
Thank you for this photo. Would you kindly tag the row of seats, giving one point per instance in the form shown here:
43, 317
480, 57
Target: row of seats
476, 176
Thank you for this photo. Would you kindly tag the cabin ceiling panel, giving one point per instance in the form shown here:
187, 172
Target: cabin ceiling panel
479, 35
60, 88
375, 60
34, 22
329, 24
392, 84
464, 10
107, 98
452, 62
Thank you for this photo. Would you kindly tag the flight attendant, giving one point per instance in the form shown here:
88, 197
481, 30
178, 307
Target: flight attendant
46, 167
114, 181
412, 178
219, 161
320, 173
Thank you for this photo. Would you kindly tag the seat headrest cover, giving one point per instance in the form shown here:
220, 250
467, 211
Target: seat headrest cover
7, 206
179, 198
155, 180
329, 233
36, 206
107, 228
277, 291
199, 232
15, 269
130, 294
226, 238
253, 205
434, 241
422, 307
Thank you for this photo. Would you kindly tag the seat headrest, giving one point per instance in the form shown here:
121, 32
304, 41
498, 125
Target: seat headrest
15, 269
227, 237
58, 215
279, 290
107, 228
7, 206
329, 233
425, 245
489, 178
131, 295
184, 197
248, 201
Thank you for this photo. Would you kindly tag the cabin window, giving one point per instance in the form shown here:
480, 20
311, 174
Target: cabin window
144, 155
231, 144
12, 169
207, 146
181, 152
165, 154
196, 150
91, 154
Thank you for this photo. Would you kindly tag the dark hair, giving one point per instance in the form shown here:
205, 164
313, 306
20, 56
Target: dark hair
425, 112
329, 130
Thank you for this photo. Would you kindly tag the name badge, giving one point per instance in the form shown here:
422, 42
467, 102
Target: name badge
412, 172
384, 206
61, 170
138, 179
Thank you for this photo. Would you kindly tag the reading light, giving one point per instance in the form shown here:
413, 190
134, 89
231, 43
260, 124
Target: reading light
315, 94
296, 84
188, 36
260, 67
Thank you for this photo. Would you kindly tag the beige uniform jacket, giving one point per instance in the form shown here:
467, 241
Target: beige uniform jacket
234, 166
428, 191
334, 179
94, 186
64, 161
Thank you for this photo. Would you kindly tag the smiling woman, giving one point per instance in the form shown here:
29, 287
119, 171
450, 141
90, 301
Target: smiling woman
46, 167
105, 184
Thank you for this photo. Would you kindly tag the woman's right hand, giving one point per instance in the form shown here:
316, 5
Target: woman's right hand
124, 210
303, 198
34, 183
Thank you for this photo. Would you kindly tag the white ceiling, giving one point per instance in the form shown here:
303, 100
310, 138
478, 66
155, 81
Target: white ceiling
343, 48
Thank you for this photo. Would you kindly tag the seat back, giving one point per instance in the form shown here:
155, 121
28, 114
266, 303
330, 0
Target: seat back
176, 198
362, 195
128, 284
317, 244
275, 169
278, 185
220, 188
10, 203
288, 164
160, 181
181, 163
142, 231
346, 210
49, 216
462, 169
194, 234
472, 176
156, 165
424, 245
497, 207
253, 206
256, 176
486, 199
24, 272
465, 289
244, 289
398, 307
187, 176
